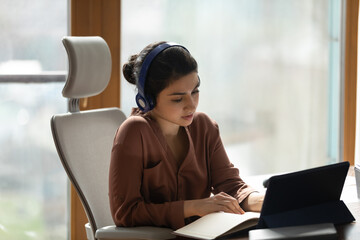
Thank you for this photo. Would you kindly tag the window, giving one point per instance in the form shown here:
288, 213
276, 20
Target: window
33, 184
269, 71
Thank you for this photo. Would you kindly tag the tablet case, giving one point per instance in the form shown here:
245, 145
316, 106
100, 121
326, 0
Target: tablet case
310, 196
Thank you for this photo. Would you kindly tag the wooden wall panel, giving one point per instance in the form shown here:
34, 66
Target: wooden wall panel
351, 36
96, 18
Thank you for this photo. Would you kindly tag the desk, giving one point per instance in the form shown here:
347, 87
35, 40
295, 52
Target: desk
349, 231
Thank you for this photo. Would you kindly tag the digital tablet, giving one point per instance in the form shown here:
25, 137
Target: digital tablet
310, 196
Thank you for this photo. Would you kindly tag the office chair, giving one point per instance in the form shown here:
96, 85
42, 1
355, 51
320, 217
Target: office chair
84, 139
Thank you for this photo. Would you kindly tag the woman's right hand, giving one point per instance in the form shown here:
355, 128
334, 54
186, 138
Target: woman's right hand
219, 202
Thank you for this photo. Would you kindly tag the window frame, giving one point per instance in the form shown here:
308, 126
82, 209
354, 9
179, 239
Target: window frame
46, 77
96, 18
349, 77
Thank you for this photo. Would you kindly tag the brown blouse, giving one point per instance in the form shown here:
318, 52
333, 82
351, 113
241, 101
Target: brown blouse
146, 185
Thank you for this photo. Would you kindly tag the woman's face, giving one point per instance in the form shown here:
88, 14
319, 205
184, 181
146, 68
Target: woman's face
176, 104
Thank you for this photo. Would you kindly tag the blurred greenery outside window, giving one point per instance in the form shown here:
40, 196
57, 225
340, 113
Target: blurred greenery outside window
33, 184
270, 73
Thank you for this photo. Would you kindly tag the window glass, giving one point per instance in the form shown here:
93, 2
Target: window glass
264, 68
33, 183
30, 36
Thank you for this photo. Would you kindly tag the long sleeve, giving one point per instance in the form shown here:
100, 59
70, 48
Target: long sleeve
224, 177
127, 170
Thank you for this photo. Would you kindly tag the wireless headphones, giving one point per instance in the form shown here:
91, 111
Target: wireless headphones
144, 102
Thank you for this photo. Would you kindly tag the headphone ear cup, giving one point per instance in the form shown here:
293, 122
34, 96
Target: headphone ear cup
142, 103
150, 102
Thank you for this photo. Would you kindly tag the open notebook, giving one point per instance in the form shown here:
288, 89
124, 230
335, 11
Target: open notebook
305, 197
218, 224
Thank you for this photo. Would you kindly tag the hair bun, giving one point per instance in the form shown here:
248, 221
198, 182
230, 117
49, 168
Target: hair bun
128, 69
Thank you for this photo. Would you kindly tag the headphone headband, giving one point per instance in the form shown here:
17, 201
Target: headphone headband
144, 102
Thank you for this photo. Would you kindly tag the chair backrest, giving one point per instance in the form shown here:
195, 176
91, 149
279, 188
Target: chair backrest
84, 142
84, 138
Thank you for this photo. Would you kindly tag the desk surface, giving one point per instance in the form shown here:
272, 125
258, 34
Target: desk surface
349, 231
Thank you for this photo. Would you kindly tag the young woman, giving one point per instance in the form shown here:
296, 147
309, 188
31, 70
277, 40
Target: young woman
167, 159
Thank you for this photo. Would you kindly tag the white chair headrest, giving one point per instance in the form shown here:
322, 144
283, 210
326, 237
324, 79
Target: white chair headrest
89, 66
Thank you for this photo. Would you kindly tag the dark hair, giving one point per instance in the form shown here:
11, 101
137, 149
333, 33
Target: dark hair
170, 65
